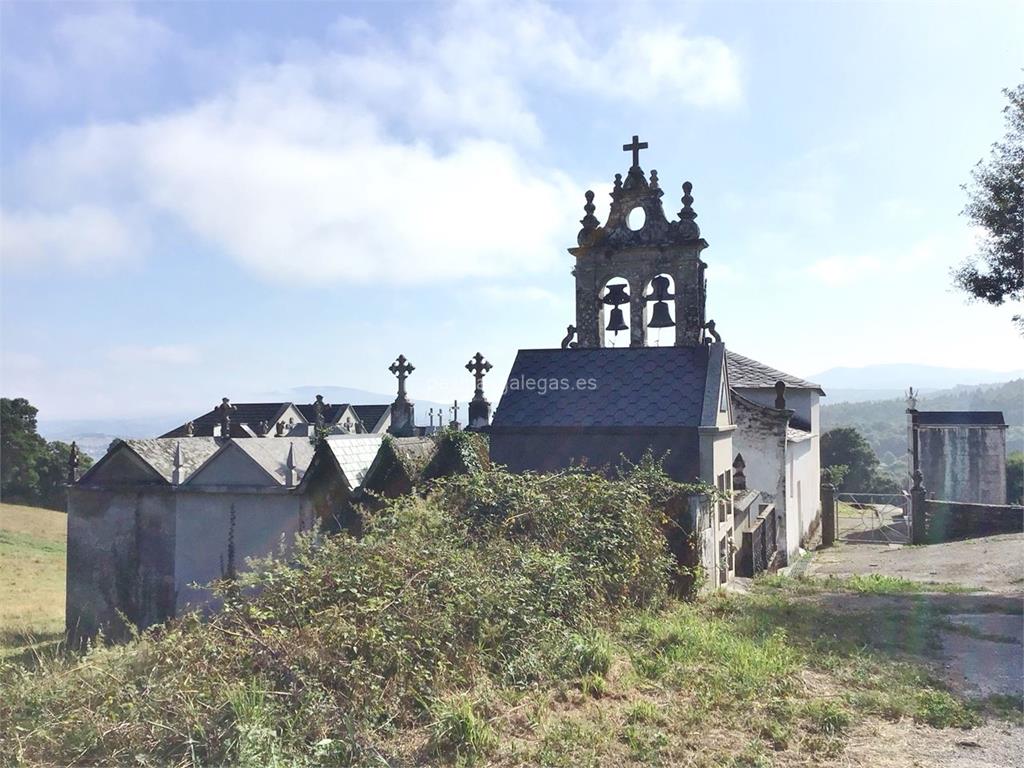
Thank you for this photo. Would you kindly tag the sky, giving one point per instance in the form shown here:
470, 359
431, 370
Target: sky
201, 200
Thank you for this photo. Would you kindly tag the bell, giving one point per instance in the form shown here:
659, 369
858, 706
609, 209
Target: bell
660, 317
616, 295
659, 290
616, 322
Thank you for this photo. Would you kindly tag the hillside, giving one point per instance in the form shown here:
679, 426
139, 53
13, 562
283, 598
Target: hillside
505, 620
32, 547
884, 422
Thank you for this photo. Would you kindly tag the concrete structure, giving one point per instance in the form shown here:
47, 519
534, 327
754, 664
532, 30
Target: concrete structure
675, 391
960, 454
285, 420
153, 518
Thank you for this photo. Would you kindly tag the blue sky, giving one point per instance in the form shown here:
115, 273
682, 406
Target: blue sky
202, 200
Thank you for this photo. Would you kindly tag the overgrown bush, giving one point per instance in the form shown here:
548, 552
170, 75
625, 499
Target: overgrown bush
318, 660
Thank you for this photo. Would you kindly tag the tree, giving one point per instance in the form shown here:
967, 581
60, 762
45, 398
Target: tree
1015, 478
32, 471
848, 461
996, 205
21, 449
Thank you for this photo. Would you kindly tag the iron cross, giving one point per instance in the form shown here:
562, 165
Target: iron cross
224, 409
635, 148
478, 367
402, 369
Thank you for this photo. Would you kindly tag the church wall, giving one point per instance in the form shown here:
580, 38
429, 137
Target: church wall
964, 463
120, 557
550, 450
762, 441
262, 521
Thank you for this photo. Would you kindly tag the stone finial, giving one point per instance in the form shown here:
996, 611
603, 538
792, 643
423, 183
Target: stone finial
567, 342
190, 429
654, 179
617, 185
263, 428
739, 478
319, 406
291, 474
918, 481
780, 395
73, 461
348, 424
590, 220
176, 472
224, 410
279, 428
912, 395
687, 211
710, 326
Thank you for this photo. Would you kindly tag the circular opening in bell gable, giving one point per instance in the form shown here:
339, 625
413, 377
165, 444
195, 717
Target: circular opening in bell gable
636, 218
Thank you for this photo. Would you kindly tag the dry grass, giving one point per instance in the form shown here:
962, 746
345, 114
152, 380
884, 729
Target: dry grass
33, 542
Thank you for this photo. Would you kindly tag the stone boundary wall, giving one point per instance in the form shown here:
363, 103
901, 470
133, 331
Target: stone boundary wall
951, 520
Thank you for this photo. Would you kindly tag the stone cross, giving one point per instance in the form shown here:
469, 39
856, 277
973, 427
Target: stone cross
318, 409
478, 367
190, 429
348, 424
431, 414
455, 413
224, 409
73, 463
635, 148
279, 427
402, 369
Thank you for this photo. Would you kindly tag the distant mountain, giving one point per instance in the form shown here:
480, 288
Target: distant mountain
882, 382
884, 422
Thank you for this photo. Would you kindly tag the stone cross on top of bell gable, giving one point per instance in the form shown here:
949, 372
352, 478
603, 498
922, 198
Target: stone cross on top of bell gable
635, 148
224, 410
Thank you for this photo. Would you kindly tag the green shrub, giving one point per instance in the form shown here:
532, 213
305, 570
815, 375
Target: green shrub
320, 659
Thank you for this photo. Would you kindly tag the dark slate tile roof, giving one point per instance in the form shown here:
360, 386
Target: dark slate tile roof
370, 414
948, 418
745, 372
246, 413
331, 412
633, 387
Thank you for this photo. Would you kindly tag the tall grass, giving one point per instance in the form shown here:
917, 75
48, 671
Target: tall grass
320, 659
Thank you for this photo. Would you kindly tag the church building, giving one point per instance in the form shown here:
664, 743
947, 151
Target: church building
643, 369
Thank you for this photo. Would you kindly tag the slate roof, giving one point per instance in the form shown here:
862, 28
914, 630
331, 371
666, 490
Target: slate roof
632, 387
370, 414
246, 413
158, 453
949, 418
746, 372
271, 453
355, 454
331, 413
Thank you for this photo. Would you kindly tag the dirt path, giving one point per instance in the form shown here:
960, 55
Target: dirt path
981, 647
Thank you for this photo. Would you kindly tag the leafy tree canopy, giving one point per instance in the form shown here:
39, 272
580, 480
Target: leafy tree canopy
996, 205
32, 471
848, 460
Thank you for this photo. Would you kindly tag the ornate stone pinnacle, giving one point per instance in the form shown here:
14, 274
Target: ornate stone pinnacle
687, 211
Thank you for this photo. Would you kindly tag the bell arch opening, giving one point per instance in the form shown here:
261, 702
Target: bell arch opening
614, 297
660, 311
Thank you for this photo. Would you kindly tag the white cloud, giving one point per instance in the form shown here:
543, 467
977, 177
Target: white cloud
931, 253
78, 236
306, 169
166, 354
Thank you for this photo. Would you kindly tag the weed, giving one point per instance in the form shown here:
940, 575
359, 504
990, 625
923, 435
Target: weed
459, 731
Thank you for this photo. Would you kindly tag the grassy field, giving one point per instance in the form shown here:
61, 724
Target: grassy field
32, 547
